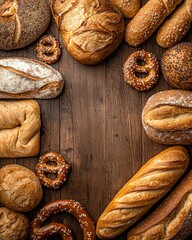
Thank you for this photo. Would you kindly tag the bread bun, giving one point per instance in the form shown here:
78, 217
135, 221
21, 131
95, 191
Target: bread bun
20, 189
176, 65
13, 225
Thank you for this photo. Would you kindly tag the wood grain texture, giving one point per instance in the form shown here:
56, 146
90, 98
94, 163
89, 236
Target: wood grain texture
96, 125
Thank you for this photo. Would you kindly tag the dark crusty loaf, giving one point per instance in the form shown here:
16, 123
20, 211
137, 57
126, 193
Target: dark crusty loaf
22, 22
172, 219
142, 191
167, 117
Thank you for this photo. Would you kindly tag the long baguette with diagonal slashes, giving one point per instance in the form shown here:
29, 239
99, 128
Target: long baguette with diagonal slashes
142, 191
172, 219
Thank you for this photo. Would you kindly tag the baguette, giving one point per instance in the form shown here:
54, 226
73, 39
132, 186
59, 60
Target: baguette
172, 219
174, 29
28, 78
167, 117
148, 19
142, 191
127, 7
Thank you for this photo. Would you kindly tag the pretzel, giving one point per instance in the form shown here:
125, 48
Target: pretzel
61, 169
48, 49
71, 206
131, 67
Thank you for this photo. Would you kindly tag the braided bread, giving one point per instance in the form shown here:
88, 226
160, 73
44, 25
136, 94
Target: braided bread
172, 219
19, 129
142, 191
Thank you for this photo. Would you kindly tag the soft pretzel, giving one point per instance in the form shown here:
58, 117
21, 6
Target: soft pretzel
61, 169
131, 67
70, 206
19, 128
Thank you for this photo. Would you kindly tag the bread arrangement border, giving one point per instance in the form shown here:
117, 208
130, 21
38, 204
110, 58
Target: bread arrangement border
91, 30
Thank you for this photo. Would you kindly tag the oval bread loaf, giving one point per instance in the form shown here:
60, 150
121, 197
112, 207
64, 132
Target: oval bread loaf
142, 191
28, 78
167, 117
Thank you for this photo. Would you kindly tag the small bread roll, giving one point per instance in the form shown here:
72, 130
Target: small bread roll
13, 225
176, 66
20, 189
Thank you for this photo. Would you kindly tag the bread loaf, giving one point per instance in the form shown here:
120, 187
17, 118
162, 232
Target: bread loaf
91, 29
142, 191
28, 78
19, 129
13, 225
127, 7
172, 219
22, 22
167, 117
174, 29
148, 19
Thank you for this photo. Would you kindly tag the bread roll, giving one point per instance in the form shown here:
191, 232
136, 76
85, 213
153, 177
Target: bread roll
172, 219
22, 22
19, 129
142, 191
28, 78
91, 29
176, 66
20, 189
167, 117
13, 225
175, 28
148, 19
127, 7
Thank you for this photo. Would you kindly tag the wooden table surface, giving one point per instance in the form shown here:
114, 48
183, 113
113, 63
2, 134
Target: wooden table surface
96, 125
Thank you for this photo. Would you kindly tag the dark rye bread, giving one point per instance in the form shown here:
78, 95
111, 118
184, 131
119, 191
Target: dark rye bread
172, 219
176, 66
22, 22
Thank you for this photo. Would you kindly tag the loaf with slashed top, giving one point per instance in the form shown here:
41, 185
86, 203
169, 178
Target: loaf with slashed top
167, 117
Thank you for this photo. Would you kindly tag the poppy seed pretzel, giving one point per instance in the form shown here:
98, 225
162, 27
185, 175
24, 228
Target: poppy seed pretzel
71, 206
61, 169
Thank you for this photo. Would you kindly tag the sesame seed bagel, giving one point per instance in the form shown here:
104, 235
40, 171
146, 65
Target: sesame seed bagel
176, 66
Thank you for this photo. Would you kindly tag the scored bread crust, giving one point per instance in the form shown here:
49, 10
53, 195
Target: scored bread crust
142, 191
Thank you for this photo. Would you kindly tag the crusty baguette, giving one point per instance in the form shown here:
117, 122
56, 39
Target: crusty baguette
19, 129
148, 19
172, 219
174, 29
28, 78
127, 7
167, 117
142, 191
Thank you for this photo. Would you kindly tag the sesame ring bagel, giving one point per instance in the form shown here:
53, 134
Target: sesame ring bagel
61, 169
132, 67
48, 49
40, 232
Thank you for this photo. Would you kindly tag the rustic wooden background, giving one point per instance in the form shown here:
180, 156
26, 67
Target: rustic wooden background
96, 125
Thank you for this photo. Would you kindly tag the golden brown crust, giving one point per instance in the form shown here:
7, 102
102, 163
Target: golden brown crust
167, 117
172, 219
142, 191
175, 28
127, 7
176, 66
20, 189
147, 20
91, 30
13, 225
16, 16
19, 129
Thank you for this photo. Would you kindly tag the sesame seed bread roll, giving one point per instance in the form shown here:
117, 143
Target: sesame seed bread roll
148, 19
175, 28
155, 178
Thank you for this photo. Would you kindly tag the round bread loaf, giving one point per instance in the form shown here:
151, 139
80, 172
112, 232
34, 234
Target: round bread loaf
176, 65
20, 189
13, 225
22, 22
